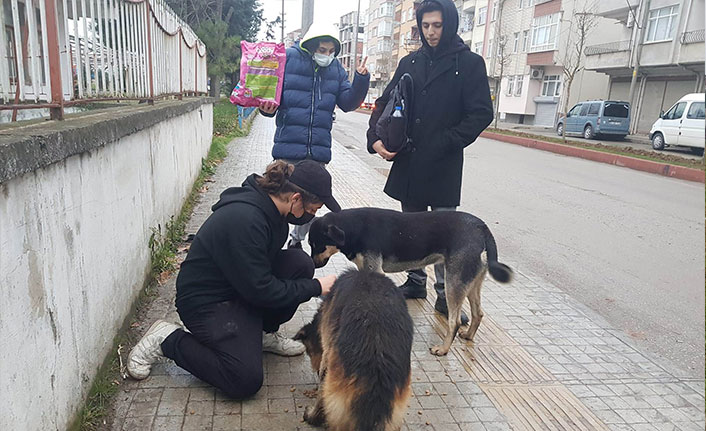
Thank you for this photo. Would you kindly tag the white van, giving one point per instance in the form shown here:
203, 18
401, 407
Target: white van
683, 125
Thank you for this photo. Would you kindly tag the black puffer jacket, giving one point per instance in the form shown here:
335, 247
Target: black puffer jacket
451, 108
231, 255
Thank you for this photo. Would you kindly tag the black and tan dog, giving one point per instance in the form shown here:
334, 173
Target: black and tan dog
360, 343
391, 241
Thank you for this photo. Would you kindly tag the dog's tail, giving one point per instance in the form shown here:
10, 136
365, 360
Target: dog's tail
499, 271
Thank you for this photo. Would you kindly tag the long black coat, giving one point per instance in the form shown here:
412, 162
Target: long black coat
451, 108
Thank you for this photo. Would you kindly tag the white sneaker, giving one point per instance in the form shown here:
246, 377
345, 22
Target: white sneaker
148, 350
280, 345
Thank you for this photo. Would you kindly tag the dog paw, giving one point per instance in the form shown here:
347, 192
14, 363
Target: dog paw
465, 335
439, 350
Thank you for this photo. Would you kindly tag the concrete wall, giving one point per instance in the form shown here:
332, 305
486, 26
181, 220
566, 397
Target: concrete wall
74, 244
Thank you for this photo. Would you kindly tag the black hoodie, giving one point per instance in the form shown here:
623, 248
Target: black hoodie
450, 42
231, 255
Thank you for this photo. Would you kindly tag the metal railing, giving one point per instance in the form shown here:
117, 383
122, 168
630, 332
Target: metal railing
68, 52
694, 36
607, 48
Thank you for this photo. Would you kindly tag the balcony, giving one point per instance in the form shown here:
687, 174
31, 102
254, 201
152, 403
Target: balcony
691, 50
545, 58
616, 9
412, 43
695, 36
608, 48
614, 55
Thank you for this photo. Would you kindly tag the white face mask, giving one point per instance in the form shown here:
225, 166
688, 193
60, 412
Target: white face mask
323, 60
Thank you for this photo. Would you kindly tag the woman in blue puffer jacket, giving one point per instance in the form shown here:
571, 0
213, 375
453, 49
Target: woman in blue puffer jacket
314, 83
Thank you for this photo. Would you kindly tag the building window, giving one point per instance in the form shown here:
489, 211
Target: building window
482, 15
525, 40
551, 86
516, 43
466, 22
495, 11
478, 48
545, 30
385, 28
518, 85
490, 48
662, 24
510, 85
387, 9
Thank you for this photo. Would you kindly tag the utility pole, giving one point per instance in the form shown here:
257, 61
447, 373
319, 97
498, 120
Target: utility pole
282, 21
640, 25
354, 65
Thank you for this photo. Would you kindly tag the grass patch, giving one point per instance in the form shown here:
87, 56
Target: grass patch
622, 151
163, 244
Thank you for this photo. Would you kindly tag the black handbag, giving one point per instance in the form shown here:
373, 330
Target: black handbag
394, 125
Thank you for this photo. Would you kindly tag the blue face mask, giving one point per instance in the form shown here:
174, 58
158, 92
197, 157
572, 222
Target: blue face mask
323, 60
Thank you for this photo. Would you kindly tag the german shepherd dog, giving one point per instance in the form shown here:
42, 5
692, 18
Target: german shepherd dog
391, 241
360, 343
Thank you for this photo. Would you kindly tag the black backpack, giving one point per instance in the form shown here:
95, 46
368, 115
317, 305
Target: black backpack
394, 125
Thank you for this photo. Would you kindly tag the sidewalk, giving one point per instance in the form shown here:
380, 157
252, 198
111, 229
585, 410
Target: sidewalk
638, 141
541, 360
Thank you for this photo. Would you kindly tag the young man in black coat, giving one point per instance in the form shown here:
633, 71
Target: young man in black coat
451, 108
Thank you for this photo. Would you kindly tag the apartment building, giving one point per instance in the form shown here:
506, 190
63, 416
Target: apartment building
531, 39
406, 32
347, 35
664, 41
379, 45
466, 20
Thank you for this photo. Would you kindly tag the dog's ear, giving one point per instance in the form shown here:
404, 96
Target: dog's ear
336, 234
303, 333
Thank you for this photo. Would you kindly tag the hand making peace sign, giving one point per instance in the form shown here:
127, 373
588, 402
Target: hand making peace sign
361, 67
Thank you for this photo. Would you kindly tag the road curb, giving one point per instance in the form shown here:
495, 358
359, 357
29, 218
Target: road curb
664, 169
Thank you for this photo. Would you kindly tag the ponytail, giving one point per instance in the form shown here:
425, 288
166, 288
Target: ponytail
275, 181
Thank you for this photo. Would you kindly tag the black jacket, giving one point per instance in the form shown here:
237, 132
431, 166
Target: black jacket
231, 255
451, 108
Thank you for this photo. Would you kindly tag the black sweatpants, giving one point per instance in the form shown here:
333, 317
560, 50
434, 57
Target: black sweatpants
224, 346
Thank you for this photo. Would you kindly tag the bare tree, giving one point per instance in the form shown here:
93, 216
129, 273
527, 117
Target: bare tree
500, 55
581, 24
502, 60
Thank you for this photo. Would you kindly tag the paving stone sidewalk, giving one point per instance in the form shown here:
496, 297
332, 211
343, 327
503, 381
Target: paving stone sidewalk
541, 360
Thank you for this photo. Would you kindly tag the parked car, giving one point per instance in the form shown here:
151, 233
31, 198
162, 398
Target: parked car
597, 117
684, 125
368, 105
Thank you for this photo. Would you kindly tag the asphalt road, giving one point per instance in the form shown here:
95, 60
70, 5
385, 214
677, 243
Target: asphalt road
627, 244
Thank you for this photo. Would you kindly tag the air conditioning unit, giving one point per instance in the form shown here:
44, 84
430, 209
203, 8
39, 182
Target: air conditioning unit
536, 73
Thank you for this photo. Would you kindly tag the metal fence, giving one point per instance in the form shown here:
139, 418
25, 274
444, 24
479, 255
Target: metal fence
58, 53
607, 48
695, 36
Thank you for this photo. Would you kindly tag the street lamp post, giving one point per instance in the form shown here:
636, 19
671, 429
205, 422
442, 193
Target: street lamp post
354, 64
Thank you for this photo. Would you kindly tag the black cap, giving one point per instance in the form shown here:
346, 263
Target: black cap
315, 179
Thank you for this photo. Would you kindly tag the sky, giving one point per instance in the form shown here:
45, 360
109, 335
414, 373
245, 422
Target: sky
327, 10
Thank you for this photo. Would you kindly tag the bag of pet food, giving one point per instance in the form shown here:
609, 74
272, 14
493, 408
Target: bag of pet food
261, 73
